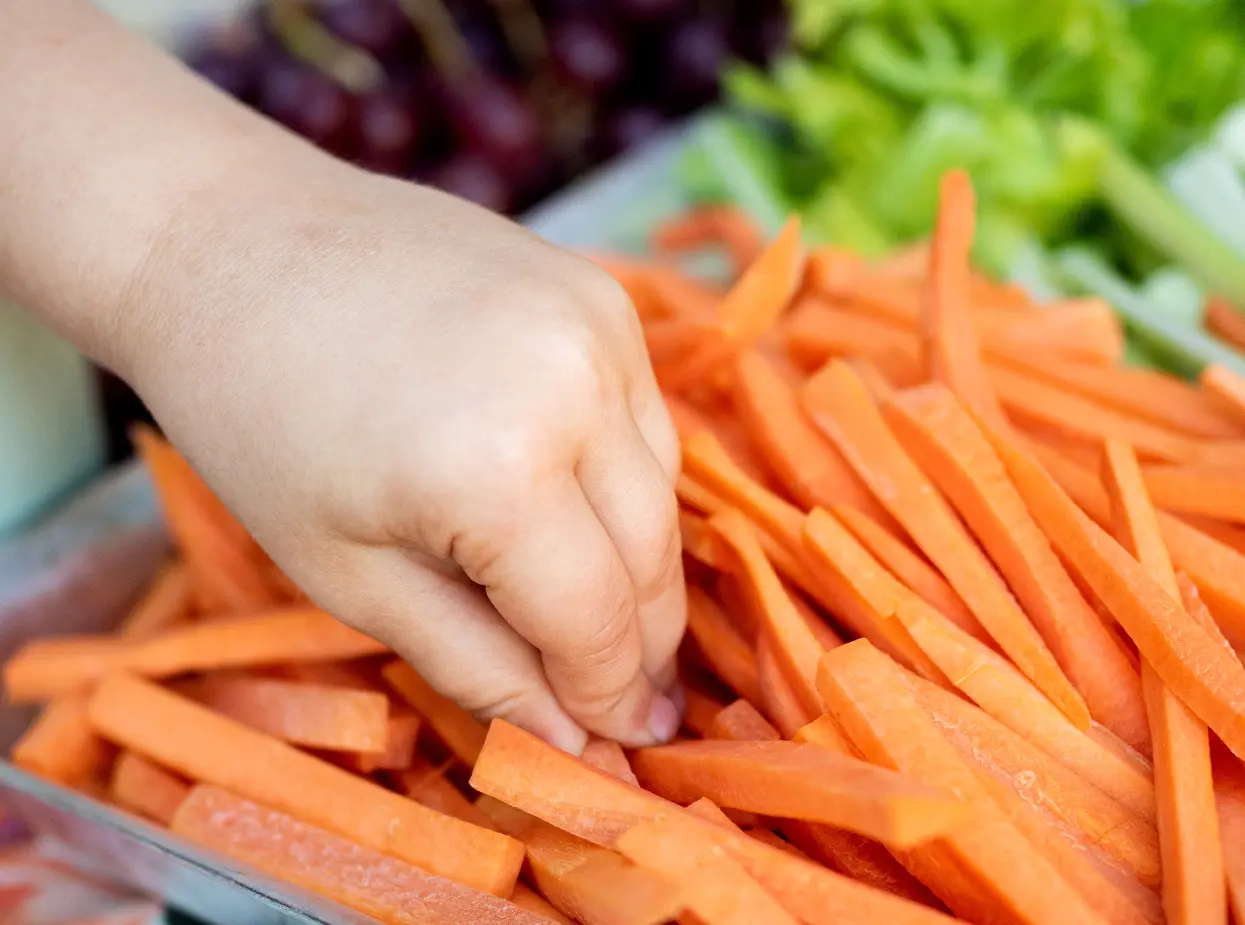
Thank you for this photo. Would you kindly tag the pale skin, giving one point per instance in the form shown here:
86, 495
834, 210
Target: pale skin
444, 429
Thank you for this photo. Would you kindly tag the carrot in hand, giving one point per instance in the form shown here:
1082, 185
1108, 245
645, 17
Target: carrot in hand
146, 788
212, 749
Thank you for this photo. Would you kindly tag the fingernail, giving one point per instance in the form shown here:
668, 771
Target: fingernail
663, 718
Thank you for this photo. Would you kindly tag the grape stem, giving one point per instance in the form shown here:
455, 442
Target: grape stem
525, 33
441, 39
306, 39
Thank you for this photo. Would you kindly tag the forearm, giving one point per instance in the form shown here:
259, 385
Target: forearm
105, 143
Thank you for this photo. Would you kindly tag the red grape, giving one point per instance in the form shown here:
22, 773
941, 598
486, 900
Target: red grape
388, 131
696, 53
652, 10
492, 117
376, 26
629, 127
587, 54
469, 176
762, 39
307, 102
233, 73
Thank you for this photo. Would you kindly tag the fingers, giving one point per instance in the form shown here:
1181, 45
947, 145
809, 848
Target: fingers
633, 497
446, 628
558, 580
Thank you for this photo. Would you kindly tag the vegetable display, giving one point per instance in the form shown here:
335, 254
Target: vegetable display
1104, 138
963, 640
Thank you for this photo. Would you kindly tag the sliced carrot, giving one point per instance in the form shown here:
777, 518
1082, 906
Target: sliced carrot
806, 464
46, 668
909, 567
584, 881
166, 603
871, 376
355, 875
824, 732
953, 353
726, 226
60, 745
147, 789
1196, 608
462, 734
520, 770
1031, 399
818, 331
1087, 329
1228, 534
436, 792
1213, 493
1230, 803
951, 450
795, 781
1008, 879
742, 722
700, 543
700, 711
1224, 321
778, 697
672, 340
210, 748
220, 554
1187, 658
723, 647
841, 407
774, 840
1127, 836
1227, 387
1193, 874
608, 756
1144, 393
401, 743
794, 644
533, 902
313, 715
718, 890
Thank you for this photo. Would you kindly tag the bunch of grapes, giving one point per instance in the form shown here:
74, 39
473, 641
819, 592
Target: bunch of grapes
498, 101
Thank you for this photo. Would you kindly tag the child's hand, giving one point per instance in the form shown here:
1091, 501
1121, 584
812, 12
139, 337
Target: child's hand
407, 398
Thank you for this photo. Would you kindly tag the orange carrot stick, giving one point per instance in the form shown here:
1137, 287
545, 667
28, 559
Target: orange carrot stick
533, 902
819, 330
726, 651
46, 668
726, 226
1030, 399
401, 746
210, 748
1226, 387
741, 722
220, 554
943, 439
457, 728
584, 881
1193, 877
794, 644
718, 890
729, 433
1008, 879
146, 788
166, 603
804, 461
778, 698
953, 353
794, 781
700, 711
1213, 493
355, 875
434, 791
520, 770
909, 567
1230, 803
1188, 659
608, 756
60, 745
1224, 321
312, 715
842, 408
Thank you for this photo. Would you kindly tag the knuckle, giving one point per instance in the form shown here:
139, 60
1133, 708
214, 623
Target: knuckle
608, 652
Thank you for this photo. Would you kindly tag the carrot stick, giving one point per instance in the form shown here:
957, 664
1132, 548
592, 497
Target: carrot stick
1193, 874
520, 770
1086, 329
949, 447
533, 902
1127, 836
726, 226
1196, 608
437, 793
146, 788
794, 781
457, 728
356, 875
45, 668
586, 882
806, 464
819, 330
718, 890
909, 567
953, 353
1213, 493
778, 697
774, 840
312, 715
741, 722
1230, 803
221, 555
700, 711
166, 602
401, 746
726, 651
60, 745
1008, 879
1030, 399
1186, 657
607, 755
841, 407
1224, 321
729, 433
795, 646
1144, 393
1226, 387
210, 748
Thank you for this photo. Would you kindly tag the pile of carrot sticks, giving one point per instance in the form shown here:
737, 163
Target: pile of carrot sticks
965, 601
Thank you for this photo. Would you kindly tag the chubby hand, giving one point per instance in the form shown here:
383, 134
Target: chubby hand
446, 430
